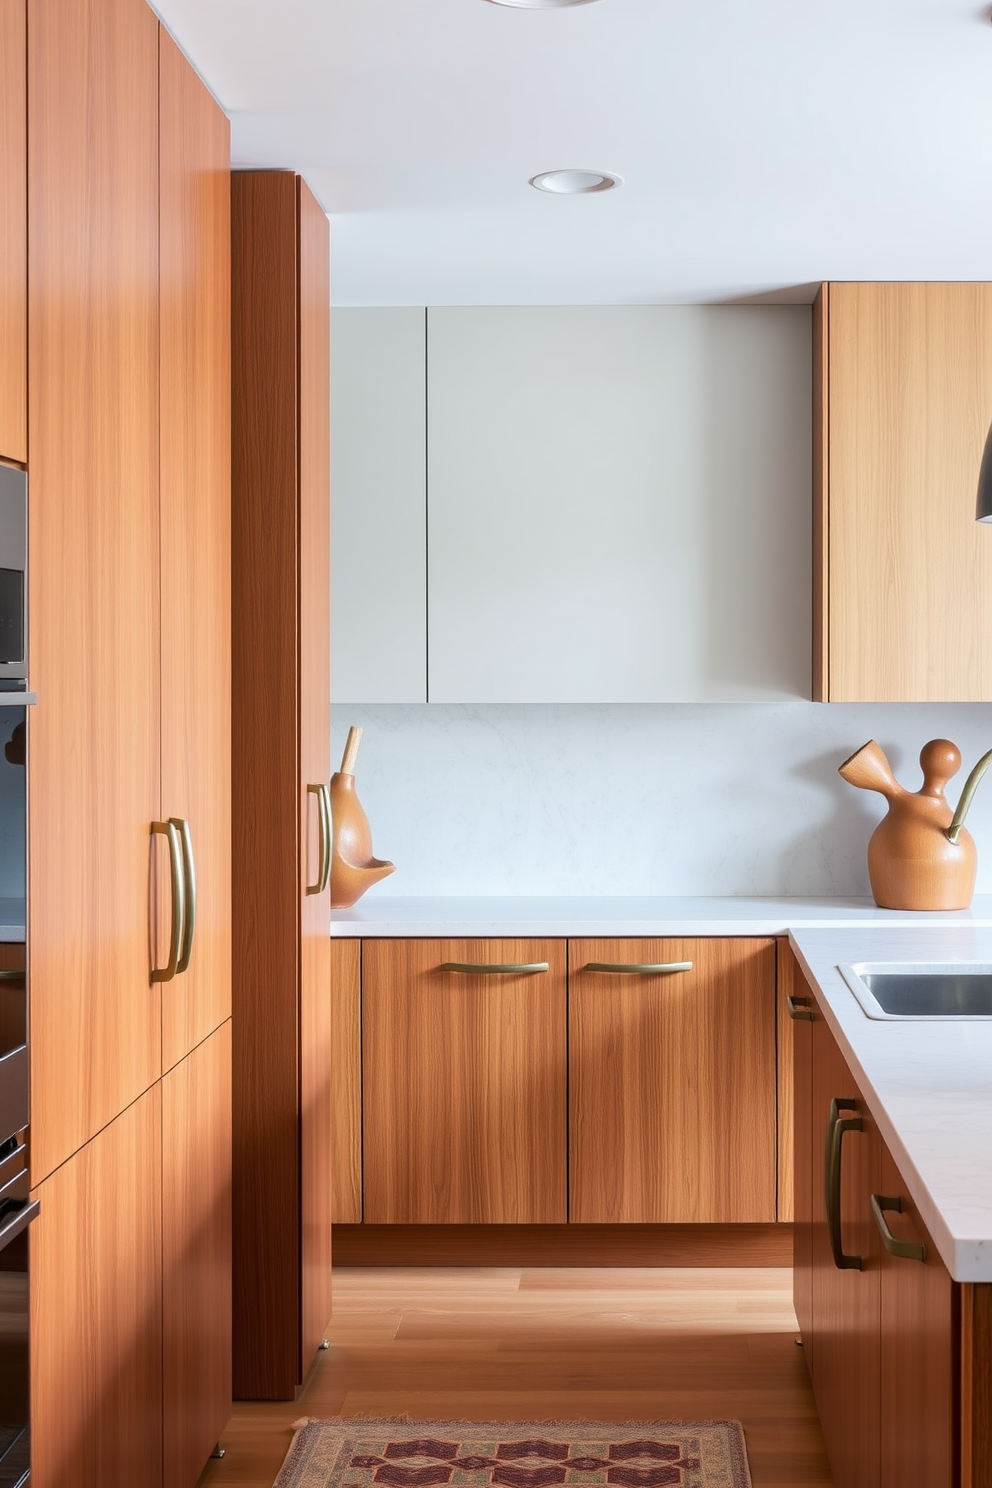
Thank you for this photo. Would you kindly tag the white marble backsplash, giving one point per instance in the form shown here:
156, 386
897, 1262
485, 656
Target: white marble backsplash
710, 799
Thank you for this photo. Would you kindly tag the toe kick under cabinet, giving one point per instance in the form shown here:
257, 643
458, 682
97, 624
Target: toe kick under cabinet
539, 1082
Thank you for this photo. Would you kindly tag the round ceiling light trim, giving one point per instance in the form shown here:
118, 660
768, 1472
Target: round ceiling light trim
574, 182
540, 4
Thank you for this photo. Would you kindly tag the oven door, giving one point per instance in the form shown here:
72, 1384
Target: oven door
16, 1213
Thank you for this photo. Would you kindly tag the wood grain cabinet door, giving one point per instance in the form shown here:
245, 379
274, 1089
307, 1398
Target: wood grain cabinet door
96, 1310
672, 1081
93, 521
196, 1256
13, 232
845, 1299
903, 574
346, 1082
195, 455
917, 1349
464, 1082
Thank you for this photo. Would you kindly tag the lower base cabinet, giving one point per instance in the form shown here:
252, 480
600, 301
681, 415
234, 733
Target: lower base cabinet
131, 1291
898, 1396
548, 1082
196, 1257
95, 1261
671, 1049
464, 1081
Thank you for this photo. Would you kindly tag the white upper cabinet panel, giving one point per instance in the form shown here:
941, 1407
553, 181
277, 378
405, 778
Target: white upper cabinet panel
378, 515
619, 504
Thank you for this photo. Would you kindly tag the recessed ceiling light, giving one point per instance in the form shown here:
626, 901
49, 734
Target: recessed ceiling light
540, 4
575, 182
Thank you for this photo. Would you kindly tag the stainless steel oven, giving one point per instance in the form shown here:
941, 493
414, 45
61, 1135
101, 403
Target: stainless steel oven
16, 1206
13, 579
17, 1210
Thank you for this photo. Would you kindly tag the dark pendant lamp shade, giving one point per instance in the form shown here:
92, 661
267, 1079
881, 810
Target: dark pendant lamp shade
984, 511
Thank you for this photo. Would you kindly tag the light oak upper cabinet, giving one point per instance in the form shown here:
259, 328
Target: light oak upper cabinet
13, 232
902, 572
617, 504
672, 1081
463, 1081
94, 781
281, 753
195, 455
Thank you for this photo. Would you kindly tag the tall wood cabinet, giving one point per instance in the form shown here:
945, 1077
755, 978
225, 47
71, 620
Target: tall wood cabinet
902, 572
94, 781
281, 762
129, 500
13, 233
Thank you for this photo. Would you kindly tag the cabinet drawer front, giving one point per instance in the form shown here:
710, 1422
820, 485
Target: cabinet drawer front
672, 1081
463, 1080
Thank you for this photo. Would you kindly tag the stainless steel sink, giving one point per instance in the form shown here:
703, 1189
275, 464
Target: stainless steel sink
901, 991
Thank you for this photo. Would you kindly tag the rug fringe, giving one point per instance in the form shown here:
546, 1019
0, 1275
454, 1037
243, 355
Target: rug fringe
406, 1420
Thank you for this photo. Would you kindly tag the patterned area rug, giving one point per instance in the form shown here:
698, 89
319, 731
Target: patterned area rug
345, 1453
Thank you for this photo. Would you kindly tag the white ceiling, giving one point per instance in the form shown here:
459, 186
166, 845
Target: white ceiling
765, 144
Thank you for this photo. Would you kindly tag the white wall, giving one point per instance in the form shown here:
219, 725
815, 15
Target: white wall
735, 799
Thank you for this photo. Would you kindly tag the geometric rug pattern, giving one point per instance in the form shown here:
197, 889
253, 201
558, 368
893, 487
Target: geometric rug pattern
353, 1453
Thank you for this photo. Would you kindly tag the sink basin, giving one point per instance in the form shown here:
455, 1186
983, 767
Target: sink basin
901, 991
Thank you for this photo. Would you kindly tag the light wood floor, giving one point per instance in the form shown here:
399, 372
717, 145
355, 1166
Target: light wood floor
503, 1344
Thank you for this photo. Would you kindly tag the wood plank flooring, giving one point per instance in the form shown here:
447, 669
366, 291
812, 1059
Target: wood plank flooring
613, 1344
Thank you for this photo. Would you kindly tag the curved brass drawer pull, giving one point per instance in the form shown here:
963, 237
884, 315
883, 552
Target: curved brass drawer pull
166, 973
189, 868
510, 968
837, 1126
324, 824
904, 1248
635, 968
799, 1008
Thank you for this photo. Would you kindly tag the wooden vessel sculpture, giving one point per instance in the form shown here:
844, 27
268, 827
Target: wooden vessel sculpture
353, 868
919, 855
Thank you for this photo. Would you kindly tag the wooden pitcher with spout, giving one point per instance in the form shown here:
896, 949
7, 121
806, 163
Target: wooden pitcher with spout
919, 855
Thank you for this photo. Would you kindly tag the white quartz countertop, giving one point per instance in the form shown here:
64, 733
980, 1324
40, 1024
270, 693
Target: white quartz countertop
464, 918
928, 1084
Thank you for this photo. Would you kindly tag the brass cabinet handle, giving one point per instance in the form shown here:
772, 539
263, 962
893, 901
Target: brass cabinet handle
189, 870
837, 1127
907, 1249
509, 968
638, 968
325, 806
166, 973
323, 816
800, 1009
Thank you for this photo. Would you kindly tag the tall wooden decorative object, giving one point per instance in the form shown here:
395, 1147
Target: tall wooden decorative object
281, 744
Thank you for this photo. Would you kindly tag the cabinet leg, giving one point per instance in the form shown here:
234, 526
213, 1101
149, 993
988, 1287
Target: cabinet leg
219, 1451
